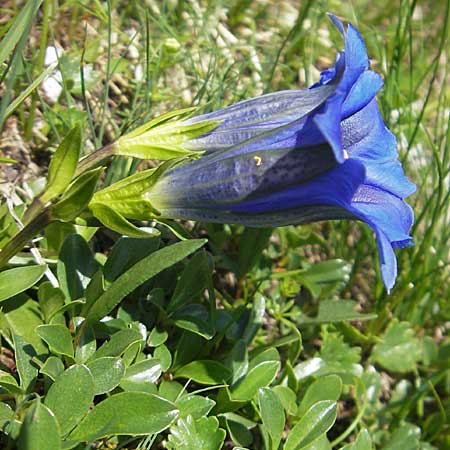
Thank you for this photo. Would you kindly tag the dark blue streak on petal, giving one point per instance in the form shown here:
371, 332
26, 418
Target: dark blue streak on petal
240, 178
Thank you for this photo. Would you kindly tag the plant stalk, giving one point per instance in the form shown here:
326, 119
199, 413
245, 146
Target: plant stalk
25, 235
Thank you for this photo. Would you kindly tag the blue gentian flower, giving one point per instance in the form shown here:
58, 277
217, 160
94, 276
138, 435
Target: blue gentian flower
300, 156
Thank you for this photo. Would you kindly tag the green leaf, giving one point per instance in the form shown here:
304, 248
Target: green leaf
63, 164
164, 142
107, 373
142, 271
257, 377
118, 223
406, 437
287, 398
76, 266
325, 388
58, 339
256, 318
6, 414
71, 396
51, 300
24, 94
126, 252
14, 281
272, 414
53, 367
237, 361
141, 374
207, 372
202, 434
196, 406
9, 383
335, 356
316, 421
192, 282
23, 355
252, 242
40, 429
163, 354
332, 311
21, 23
77, 196
20, 316
239, 429
196, 319
118, 343
400, 350
157, 337
86, 346
7, 160
127, 413
362, 442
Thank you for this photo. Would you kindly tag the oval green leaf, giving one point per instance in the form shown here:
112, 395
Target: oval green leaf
204, 372
317, 421
14, 281
259, 376
324, 388
39, 430
58, 339
107, 373
71, 396
129, 413
272, 414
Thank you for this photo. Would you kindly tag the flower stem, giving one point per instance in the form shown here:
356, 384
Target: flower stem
95, 158
23, 236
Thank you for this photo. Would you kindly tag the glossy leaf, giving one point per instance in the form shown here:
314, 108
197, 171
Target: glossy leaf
163, 354
77, 196
204, 372
107, 373
316, 421
126, 252
71, 396
256, 318
63, 164
142, 271
115, 221
272, 414
58, 339
53, 367
196, 406
20, 316
192, 282
14, 281
201, 434
40, 429
127, 413
141, 374
324, 388
258, 377
51, 300
76, 266
24, 353
118, 343
332, 311
196, 319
